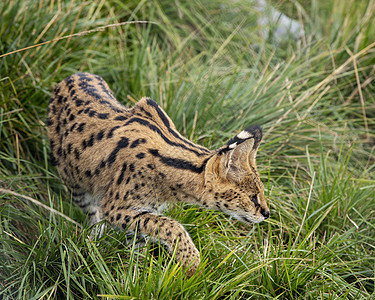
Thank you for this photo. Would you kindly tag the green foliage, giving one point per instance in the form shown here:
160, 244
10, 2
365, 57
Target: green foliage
208, 66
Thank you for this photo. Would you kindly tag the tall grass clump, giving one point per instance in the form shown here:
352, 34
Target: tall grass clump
208, 64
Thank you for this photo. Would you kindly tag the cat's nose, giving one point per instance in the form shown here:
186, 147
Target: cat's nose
265, 213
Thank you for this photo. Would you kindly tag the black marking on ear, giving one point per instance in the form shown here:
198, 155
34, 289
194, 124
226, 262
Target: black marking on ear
257, 133
252, 132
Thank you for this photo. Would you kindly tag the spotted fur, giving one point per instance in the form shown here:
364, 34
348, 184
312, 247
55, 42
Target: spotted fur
126, 164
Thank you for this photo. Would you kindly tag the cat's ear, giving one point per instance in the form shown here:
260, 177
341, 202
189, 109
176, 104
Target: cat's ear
244, 146
232, 160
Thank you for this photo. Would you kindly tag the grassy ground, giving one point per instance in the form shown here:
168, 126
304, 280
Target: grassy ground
207, 64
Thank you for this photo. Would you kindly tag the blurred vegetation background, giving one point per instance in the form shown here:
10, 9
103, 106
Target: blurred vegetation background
209, 64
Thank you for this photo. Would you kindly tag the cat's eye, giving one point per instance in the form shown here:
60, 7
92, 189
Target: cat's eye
254, 199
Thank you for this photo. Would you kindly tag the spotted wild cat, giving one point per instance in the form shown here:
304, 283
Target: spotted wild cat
124, 165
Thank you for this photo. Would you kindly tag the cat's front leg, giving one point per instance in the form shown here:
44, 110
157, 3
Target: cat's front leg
159, 228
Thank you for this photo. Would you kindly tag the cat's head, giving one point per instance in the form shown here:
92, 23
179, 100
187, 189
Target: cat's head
232, 182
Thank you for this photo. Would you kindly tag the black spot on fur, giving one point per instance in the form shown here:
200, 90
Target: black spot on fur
81, 127
70, 147
137, 142
140, 155
120, 118
123, 143
187, 145
59, 99
140, 214
121, 177
90, 142
59, 151
102, 164
103, 116
145, 222
127, 219
49, 122
58, 127
76, 153
53, 160
84, 144
110, 133
151, 166
100, 135
178, 163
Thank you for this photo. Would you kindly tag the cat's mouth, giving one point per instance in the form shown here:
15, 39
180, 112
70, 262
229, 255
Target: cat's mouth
252, 220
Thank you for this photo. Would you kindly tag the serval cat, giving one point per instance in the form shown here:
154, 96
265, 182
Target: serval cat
125, 165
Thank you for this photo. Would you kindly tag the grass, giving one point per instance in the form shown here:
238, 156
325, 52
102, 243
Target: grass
207, 64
